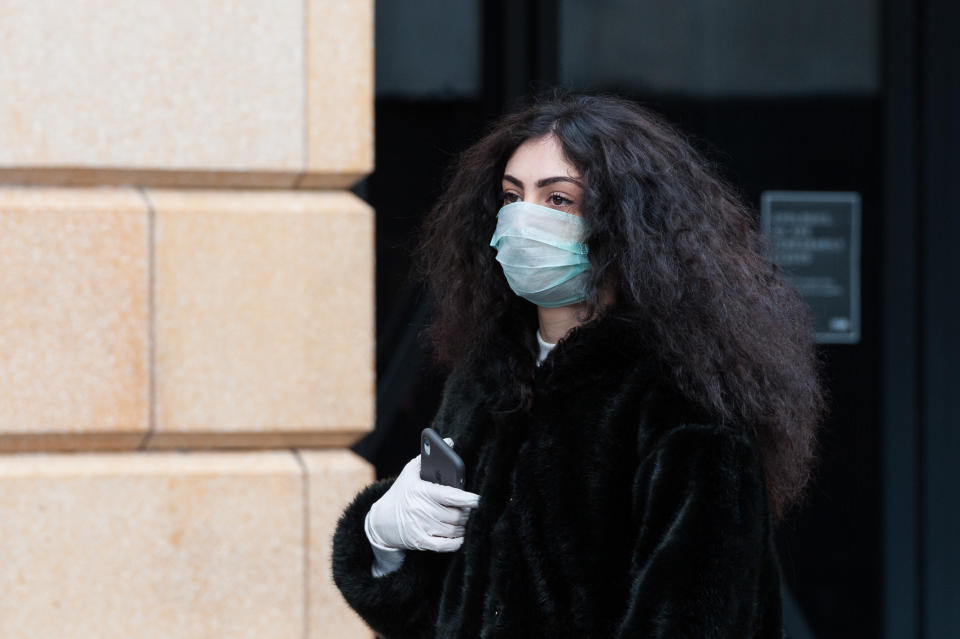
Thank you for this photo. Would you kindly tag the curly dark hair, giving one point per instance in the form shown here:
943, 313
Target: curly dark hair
682, 253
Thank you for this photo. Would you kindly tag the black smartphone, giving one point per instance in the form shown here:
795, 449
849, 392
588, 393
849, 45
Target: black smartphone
438, 462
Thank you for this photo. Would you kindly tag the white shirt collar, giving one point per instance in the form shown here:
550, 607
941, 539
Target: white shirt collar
545, 348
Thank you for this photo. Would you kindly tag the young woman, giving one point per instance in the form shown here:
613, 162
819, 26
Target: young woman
632, 390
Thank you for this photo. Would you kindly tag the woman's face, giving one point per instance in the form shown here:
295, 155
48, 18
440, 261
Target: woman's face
538, 173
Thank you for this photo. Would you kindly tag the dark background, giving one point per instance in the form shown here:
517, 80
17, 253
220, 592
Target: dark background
822, 95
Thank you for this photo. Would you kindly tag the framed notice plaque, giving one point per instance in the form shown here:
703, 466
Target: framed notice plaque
815, 239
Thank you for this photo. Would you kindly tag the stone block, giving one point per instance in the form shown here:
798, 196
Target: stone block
339, 90
268, 93
334, 477
263, 318
146, 545
74, 322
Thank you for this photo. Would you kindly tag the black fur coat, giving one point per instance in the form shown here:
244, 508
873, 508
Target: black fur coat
610, 508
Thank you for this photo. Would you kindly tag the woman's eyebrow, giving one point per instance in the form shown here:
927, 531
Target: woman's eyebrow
544, 182
509, 178
554, 180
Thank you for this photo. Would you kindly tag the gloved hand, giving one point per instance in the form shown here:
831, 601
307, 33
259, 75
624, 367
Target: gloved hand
419, 515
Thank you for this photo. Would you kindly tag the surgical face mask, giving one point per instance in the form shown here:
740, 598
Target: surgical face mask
542, 253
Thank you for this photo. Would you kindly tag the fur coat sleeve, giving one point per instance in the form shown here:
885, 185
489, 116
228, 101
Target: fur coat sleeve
605, 511
402, 603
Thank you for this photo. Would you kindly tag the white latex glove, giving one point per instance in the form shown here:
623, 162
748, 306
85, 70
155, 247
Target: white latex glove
419, 515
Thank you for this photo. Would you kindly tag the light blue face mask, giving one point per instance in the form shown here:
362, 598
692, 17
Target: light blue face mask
542, 253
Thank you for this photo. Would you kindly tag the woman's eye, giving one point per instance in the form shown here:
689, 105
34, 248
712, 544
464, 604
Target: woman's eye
558, 200
510, 198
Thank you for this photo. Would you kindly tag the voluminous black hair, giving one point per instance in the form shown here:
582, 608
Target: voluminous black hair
680, 251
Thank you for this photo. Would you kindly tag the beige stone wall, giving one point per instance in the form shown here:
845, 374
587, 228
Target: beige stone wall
182, 367
186, 92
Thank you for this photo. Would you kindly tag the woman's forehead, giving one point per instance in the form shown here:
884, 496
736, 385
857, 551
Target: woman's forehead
538, 158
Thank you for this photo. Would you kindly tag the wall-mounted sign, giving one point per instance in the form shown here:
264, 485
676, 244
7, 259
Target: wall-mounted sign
815, 239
